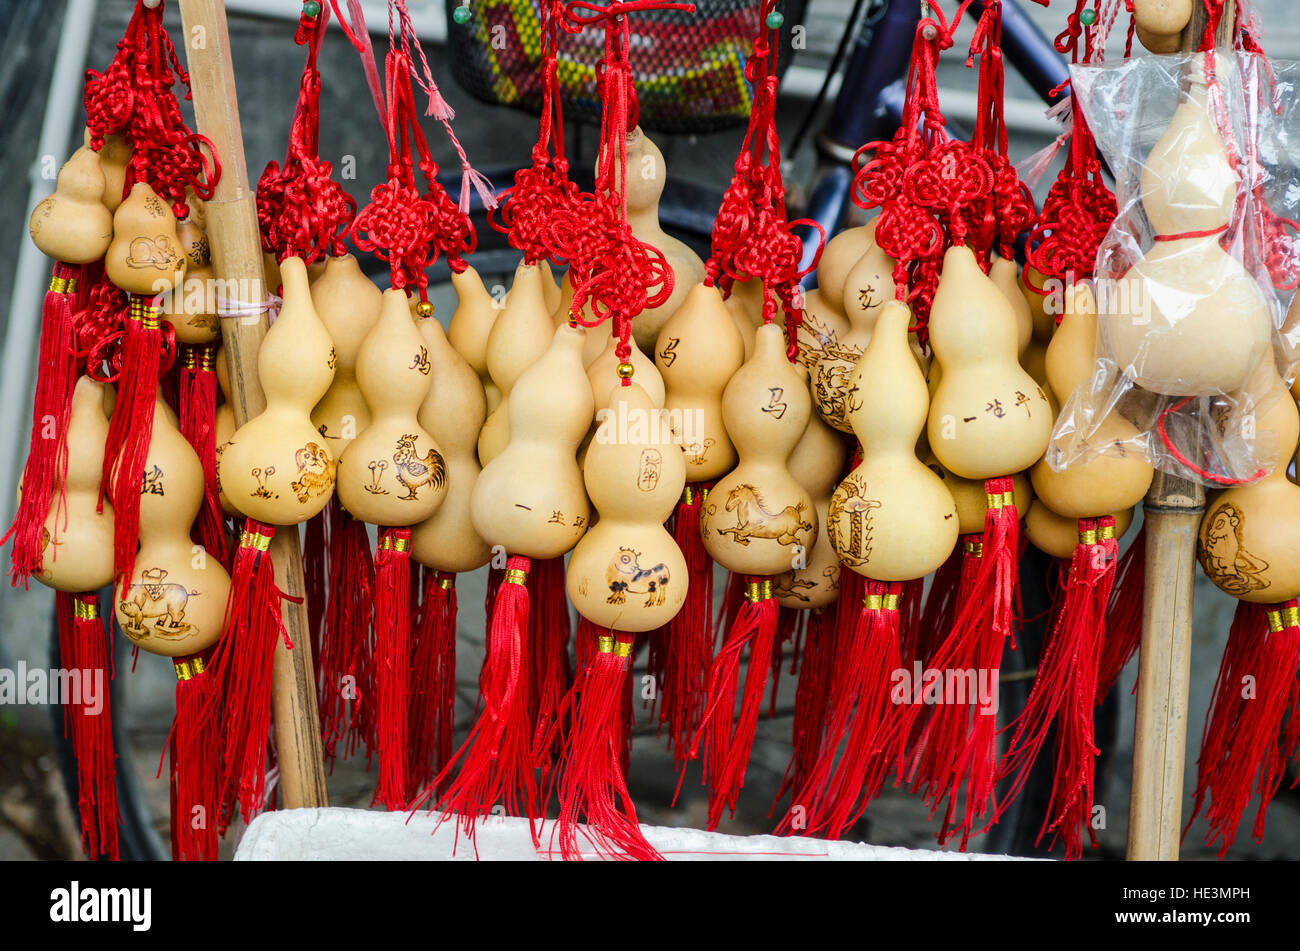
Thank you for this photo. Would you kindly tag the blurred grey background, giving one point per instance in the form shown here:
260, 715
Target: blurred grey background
46, 43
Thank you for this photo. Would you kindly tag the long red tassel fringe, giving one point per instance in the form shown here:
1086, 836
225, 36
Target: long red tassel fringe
811, 696
47, 451
241, 664
194, 748
346, 665
130, 428
392, 662
551, 676
862, 718
433, 685
197, 399
1254, 699
495, 761
1065, 691
591, 783
728, 736
688, 637
316, 542
1123, 615
84, 648
958, 743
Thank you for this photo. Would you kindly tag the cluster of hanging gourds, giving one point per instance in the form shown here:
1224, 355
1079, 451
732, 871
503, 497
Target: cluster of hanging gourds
896, 423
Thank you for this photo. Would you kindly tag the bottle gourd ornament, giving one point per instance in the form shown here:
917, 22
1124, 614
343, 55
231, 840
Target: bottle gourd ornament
173, 604
1105, 482
73, 228
339, 568
531, 501
756, 522
626, 576
1195, 323
988, 420
839, 257
1159, 23
520, 335
1249, 546
276, 470
72, 225
347, 304
393, 475
77, 562
870, 284
646, 179
446, 544
816, 463
470, 327
698, 351
890, 520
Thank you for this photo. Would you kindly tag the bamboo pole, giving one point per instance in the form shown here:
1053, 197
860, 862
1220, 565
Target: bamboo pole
237, 261
1173, 510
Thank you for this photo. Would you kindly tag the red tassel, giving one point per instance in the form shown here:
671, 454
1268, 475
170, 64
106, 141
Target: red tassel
1123, 615
551, 675
688, 637
911, 601
495, 759
1254, 697
194, 747
433, 684
789, 623
47, 451
959, 739
241, 665
811, 697
1065, 692
347, 668
130, 428
197, 398
592, 783
863, 717
84, 648
317, 538
392, 662
941, 603
729, 737
733, 599
952, 584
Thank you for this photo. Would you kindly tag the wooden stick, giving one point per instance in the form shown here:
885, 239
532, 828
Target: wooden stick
1173, 510
237, 261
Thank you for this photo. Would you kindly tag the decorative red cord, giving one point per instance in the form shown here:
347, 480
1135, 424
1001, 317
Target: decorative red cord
1177, 453
400, 225
544, 187
133, 96
610, 268
1079, 208
752, 240
924, 183
301, 211
999, 215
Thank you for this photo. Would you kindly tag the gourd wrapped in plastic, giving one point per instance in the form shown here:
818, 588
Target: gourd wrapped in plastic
1195, 276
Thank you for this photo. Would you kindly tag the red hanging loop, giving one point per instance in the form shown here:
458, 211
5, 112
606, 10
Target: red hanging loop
301, 211
752, 239
133, 97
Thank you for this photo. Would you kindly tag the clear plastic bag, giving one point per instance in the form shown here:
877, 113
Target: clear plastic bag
1195, 278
